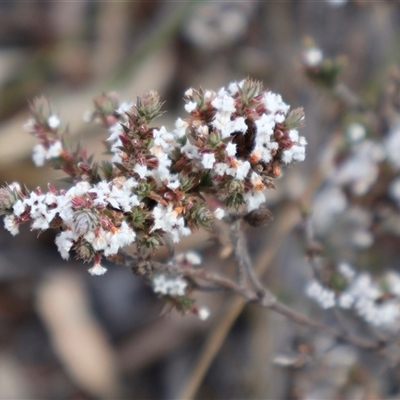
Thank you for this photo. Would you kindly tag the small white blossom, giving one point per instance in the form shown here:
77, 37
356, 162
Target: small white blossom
223, 102
180, 128
53, 121
39, 155
97, 270
64, 242
392, 279
169, 285
356, 132
167, 219
347, 271
208, 160
10, 223
191, 151
141, 170
231, 149
312, 57
239, 170
18, 208
323, 296
254, 200
163, 138
220, 168
190, 106
203, 313
219, 213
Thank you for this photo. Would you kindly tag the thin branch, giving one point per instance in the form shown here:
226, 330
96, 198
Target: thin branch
243, 259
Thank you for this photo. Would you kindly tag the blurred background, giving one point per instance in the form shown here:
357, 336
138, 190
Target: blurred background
67, 335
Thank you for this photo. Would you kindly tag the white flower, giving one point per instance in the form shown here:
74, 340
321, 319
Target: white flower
191, 257
180, 128
18, 208
346, 300
123, 236
55, 150
10, 223
64, 242
173, 182
254, 200
141, 170
234, 87
53, 121
356, 132
203, 313
116, 131
208, 160
231, 149
190, 106
347, 271
265, 125
29, 125
312, 57
275, 105
97, 270
124, 107
191, 151
222, 121
392, 279
219, 213
239, 170
220, 168
172, 286
39, 155
167, 219
223, 102
323, 296
163, 138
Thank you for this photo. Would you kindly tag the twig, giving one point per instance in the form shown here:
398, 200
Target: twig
243, 259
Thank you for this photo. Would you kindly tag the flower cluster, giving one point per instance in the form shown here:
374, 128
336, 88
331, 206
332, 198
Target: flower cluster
169, 285
376, 301
159, 181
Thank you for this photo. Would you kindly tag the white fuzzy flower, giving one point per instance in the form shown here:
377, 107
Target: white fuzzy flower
231, 149
323, 296
208, 160
64, 242
39, 155
180, 128
97, 270
223, 102
168, 220
312, 57
220, 168
18, 208
219, 213
141, 170
169, 285
53, 121
239, 170
191, 151
203, 313
163, 138
190, 106
10, 223
254, 200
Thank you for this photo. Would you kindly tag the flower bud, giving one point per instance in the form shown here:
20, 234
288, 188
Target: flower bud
259, 217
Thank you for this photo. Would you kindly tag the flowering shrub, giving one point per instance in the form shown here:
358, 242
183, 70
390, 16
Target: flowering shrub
159, 182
